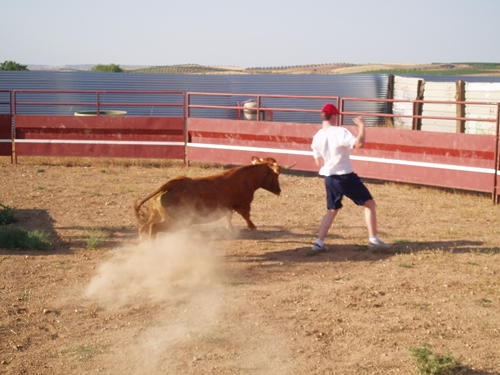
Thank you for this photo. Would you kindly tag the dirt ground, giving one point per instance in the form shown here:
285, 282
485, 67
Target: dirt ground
209, 301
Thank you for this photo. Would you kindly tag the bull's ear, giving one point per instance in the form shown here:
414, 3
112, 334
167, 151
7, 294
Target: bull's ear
256, 160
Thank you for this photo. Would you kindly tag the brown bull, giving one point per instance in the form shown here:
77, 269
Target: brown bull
183, 200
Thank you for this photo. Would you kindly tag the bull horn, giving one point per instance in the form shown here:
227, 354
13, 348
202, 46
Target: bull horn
287, 166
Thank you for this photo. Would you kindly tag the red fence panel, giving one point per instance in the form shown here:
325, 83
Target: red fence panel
6, 123
5, 135
95, 134
236, 141
460, 161
100, 136
450, 160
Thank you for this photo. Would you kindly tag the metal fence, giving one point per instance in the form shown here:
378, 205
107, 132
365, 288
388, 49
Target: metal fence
227, 135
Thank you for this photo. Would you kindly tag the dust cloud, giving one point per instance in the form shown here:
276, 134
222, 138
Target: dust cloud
174, 283
188, 317
174, 267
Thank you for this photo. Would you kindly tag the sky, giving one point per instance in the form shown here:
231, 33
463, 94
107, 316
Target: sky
257, 33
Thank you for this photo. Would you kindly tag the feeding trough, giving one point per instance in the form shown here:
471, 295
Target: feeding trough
102, 113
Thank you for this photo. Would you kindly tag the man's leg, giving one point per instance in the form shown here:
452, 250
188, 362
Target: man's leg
326, 223
371, 217
371, 223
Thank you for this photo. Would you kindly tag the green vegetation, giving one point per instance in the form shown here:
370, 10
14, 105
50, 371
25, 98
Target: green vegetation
455, 72
465, 69
62, 264
405, 265
95, 237
12, 65
6, 215
20, 238
85, 352
484, 302
434, 364
110, 68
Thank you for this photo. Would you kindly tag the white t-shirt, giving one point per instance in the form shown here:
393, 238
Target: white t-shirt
333, 146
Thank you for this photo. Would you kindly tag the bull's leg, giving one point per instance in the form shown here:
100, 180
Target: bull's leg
155, 216
245, 214
153, 231
164, 221
143, 231
162, 226
146, 229
160, 220
229, 224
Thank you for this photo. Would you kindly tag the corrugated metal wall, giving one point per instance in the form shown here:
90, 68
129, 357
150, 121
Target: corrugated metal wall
107, 81
356, 86
348, 85
360, 86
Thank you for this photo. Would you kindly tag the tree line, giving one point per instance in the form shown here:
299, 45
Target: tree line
12, 65
107, 68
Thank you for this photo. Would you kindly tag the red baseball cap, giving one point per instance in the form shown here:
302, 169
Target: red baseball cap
330, 109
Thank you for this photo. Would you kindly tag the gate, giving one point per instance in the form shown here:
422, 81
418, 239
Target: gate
99, 132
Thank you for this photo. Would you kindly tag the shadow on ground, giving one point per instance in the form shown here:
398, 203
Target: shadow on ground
356, 252
66, 239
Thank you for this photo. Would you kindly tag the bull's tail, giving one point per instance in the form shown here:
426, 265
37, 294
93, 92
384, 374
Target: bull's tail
141, 216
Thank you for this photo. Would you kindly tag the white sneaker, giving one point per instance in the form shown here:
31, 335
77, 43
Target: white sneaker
317, 249
377, 244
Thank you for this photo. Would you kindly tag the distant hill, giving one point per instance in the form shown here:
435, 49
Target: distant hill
487, 69
462, 68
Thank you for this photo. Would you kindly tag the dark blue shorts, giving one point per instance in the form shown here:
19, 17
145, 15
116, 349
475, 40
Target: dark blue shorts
349, 185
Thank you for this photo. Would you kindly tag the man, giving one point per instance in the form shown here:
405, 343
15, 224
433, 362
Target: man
331, 150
